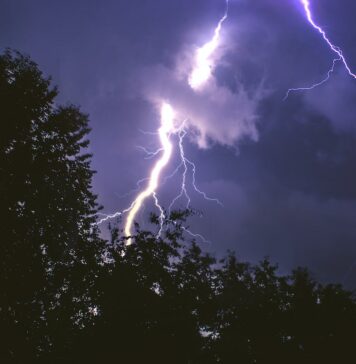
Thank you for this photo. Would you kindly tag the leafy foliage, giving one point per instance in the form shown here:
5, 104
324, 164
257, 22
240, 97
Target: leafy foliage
48, 246
164, 300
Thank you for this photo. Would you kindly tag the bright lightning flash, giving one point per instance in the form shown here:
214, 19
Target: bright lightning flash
338, 52
200, 74
203, 61
167, 127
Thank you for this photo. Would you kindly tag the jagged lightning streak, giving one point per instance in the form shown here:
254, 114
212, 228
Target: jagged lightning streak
203, 62
149, 153
308, 88
185, 162
183, 190
335, 49
339, 55
200, 74
167, 127
339, 58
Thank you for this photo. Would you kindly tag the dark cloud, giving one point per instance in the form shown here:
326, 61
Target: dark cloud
291, 194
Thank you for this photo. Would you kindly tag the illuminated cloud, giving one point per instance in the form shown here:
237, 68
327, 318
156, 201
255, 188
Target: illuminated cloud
215, 114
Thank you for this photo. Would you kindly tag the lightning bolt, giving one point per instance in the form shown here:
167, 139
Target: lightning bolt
185, 162
204, 57
167, 127
201, 73
183, 191
335, 49
308, 88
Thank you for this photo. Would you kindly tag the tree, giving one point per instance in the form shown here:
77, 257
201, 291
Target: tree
164, 300
49, 247
152, 300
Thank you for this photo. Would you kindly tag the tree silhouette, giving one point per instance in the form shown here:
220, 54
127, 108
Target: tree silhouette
48, 246
164, 300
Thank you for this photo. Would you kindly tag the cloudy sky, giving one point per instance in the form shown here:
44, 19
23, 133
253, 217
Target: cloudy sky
285, 170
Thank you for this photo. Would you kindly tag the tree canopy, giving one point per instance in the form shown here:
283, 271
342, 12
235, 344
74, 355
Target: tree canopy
165, 300
48, 244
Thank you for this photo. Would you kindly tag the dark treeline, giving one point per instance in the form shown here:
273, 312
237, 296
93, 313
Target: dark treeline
68, 296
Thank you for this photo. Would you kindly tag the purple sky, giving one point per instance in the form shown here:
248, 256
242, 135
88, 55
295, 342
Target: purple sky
291, 194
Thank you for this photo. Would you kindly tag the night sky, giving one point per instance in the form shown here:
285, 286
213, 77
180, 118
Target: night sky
285, 171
